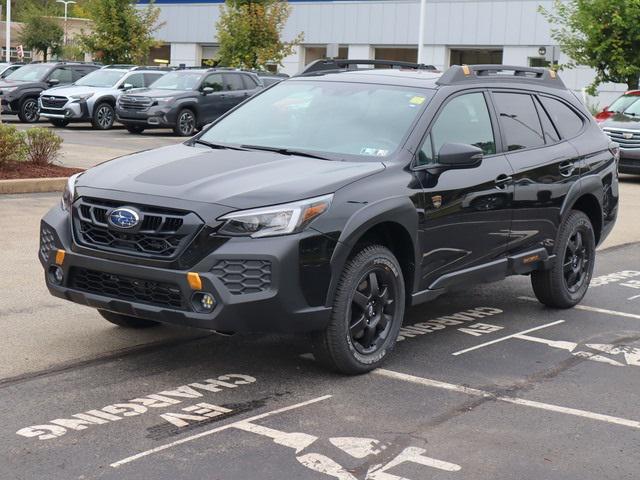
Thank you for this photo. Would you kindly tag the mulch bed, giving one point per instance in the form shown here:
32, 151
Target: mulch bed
16, 170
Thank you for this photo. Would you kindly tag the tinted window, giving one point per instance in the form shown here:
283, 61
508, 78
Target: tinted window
519, 120
564, 118
465, 119
233, 81
213, 81
65, 75
550, 133
249, 82
136, 80
149, 78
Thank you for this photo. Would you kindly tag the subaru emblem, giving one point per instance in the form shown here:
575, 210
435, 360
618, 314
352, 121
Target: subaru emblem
124, 218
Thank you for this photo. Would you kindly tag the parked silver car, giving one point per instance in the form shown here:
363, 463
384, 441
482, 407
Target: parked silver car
93, 98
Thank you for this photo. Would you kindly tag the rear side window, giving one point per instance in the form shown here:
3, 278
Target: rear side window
564, 118
519, 120
249, 82
233, 81
149, 78
465, 119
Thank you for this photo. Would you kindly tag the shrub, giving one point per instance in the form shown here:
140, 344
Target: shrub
43, 146
12, 145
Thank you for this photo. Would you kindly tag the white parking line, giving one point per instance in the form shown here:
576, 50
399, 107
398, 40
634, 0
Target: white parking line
517, 401
215, 430
593, 309
502, 339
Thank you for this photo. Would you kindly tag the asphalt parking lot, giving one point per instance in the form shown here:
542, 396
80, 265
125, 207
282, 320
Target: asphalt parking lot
484, 383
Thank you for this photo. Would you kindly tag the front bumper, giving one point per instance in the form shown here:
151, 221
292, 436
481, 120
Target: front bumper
71, 111
280, 307
629, 161
156, 116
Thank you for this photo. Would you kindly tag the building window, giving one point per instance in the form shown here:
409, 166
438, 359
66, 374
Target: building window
475, 56
397, 54
311, 54
539, 62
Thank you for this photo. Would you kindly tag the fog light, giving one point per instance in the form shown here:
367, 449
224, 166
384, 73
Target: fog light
56, 274
203, 302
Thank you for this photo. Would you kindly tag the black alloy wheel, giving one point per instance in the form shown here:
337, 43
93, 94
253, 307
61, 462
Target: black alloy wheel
29, 112
576, 262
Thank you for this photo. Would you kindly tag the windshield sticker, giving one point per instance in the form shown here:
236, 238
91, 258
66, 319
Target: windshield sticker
417, 100
374, 152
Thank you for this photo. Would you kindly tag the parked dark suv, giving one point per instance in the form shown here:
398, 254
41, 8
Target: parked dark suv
185, 100
19, 91
331, 202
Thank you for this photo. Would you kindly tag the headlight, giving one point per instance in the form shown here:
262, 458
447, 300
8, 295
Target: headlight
276, 220
69, 194
163, 100
81, 96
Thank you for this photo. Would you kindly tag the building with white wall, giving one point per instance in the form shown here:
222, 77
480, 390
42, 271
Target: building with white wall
457, 31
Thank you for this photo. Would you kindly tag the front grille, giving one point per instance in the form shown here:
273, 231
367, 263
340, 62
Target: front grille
244, 276
134, 103
127, 288
53, 102
162, 233
47, 242
619, 136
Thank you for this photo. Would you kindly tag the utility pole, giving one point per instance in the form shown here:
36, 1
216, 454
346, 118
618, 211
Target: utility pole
423, 7
66, 7
7, 25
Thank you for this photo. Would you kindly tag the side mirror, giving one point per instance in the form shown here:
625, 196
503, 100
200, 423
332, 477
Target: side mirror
127, 86
53, 82
459, 155
207, 90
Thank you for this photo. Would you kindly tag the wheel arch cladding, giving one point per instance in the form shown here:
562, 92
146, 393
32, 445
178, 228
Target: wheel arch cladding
589, 205
389, 223
107, 99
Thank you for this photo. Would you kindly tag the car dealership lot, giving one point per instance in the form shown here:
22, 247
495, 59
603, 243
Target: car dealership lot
484, 384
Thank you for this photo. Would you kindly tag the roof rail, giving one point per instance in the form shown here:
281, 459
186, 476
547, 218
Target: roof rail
483, 73
334, 65
119, 65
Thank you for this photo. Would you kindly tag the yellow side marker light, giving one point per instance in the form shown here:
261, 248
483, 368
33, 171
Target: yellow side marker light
60, 257
466, 70
195, 282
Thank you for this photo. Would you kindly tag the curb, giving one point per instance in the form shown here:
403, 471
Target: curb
33, 185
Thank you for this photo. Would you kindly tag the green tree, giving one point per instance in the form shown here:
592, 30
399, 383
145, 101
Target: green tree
249, 33
121, 33
602, 34
42, 34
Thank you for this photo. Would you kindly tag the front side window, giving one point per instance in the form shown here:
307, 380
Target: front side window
213, 81
149, 78
361, 119
519, 120
465, 119
136, 80
63, 74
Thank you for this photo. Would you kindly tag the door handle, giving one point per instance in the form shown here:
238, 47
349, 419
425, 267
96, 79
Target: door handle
566, 168
502, 180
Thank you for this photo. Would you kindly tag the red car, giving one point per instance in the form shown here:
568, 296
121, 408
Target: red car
619, 105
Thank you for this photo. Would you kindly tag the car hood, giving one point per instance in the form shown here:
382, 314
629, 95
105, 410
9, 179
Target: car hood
67, 90
156, 93
622, 121
232, 178
12, 83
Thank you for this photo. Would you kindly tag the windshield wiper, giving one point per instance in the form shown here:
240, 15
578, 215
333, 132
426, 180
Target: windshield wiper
285, 151
218, 146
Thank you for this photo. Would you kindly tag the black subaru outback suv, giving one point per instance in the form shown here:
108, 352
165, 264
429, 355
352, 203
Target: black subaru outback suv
332, 202
185, 100
19, 91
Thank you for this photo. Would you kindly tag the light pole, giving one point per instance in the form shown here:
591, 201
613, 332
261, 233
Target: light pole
421, 31
66, 7
7, 25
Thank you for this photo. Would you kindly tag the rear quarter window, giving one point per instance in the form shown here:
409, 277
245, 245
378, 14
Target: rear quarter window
568, 122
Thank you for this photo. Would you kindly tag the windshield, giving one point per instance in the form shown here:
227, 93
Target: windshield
101, 78
633, 109
178, 81
622, 103
333, 117
30, 73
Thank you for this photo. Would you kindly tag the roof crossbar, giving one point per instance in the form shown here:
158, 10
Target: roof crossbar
334, 65
482, 73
